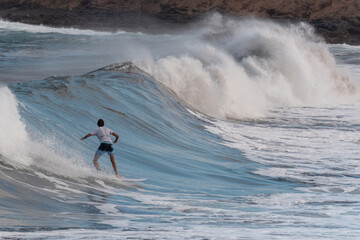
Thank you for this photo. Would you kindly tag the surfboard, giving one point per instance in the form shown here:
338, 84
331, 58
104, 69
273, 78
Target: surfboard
133, 179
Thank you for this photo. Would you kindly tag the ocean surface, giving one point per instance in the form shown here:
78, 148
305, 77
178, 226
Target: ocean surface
231, 129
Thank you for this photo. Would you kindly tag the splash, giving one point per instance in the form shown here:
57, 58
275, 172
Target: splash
14, 138
21, 150
244, 68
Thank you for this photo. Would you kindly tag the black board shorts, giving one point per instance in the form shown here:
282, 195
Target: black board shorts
105, 147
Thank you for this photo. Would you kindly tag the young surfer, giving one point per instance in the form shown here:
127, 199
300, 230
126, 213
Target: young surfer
103, 134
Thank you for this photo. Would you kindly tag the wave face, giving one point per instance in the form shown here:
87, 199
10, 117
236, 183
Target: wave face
244, 126
161, 141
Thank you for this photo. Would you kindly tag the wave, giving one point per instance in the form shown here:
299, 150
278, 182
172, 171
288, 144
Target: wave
243, 68
224, 68
57, 111
22, 149
227, 69
16, 26
200, 171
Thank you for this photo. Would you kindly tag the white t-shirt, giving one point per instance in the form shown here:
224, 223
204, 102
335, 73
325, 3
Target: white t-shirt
103, 134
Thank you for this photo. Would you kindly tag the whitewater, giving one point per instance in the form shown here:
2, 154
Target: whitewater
237, 129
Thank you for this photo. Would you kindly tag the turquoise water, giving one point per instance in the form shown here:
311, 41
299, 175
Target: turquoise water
231, 139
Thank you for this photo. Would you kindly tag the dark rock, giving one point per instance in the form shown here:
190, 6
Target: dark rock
336, 21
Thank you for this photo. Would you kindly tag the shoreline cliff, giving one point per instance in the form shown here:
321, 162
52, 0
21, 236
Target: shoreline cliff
336, 21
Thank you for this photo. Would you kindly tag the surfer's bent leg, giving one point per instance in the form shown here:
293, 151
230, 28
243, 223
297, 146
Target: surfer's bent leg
96, 164
114, 164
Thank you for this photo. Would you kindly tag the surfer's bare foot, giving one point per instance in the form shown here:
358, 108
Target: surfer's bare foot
117, 175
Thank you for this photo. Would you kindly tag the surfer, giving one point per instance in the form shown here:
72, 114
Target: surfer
103, 134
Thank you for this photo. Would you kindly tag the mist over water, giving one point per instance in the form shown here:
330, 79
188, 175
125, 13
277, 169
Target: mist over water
231, 129
243, 68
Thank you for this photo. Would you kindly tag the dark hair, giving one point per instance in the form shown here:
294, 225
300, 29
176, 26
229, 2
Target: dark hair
100, 123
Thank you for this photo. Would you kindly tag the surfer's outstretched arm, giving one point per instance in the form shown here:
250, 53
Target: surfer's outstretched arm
86, 136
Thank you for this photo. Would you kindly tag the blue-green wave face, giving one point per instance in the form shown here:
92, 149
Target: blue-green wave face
232, 129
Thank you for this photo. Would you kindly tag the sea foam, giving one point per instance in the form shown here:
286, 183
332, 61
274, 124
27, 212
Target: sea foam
23, 149
14, 140
243, 68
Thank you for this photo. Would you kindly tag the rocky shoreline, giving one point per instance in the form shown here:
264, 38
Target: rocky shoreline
337, 21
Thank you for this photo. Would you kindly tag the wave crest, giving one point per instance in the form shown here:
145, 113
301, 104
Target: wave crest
243, 68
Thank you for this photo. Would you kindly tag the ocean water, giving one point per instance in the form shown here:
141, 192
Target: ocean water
232, 129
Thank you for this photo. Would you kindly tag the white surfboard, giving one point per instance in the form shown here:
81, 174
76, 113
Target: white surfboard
133, 179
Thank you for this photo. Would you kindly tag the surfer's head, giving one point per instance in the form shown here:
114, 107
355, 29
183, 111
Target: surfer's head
100, 123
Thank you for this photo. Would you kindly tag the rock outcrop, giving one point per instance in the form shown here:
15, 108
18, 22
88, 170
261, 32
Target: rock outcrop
338, 21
